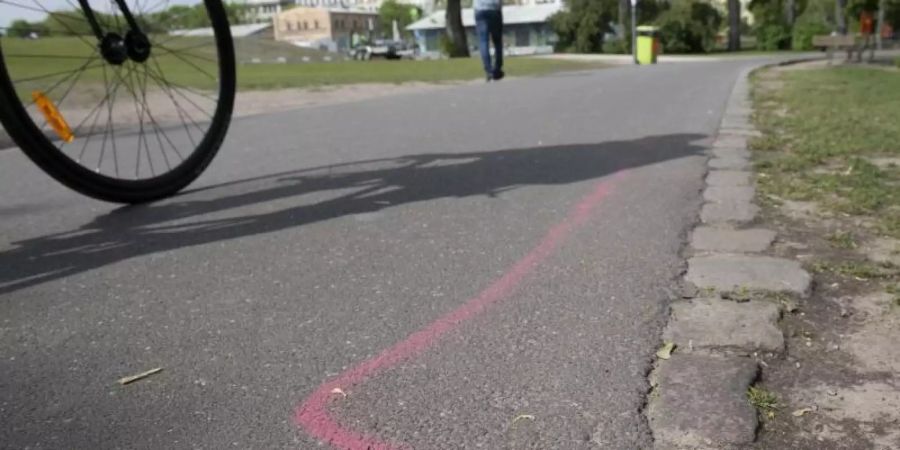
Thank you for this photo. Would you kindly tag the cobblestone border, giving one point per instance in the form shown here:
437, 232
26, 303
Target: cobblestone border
699, 394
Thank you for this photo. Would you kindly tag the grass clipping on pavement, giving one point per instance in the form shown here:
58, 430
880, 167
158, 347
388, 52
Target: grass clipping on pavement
829, 136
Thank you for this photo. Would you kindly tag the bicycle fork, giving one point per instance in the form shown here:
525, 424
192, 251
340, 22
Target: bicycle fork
114, 48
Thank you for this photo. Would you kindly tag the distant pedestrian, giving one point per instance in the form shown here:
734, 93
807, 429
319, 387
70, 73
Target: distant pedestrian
489, 24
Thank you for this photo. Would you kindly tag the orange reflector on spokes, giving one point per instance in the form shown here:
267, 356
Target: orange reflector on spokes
53, 117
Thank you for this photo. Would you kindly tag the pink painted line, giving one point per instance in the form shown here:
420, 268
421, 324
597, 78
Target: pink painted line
312, 415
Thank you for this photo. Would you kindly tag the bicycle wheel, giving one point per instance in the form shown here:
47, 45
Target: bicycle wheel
131, 114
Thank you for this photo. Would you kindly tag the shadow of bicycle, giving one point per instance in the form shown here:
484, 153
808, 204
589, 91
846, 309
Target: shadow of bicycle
331, 192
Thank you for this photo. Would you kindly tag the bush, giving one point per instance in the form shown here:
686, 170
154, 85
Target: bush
689, 26
581, 26
804, 33
773, 36
771, 28
817, 19
445, 45
618, 46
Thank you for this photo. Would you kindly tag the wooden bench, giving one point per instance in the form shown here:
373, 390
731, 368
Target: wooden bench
841, 42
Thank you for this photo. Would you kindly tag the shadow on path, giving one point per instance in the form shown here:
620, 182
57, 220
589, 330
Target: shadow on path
356, 187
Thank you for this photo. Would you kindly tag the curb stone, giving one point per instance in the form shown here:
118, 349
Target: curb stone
729, 162
730, 212
702, 403
713, 324
726, 152
717, 239
728, 178
700, 399
730, 272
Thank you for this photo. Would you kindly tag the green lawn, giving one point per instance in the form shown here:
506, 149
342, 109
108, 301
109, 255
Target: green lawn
271, 76
192, 67
823, 130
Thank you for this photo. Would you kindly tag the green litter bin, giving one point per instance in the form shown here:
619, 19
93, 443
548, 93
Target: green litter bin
647, 44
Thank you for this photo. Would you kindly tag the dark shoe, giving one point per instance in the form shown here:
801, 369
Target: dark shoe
498, 75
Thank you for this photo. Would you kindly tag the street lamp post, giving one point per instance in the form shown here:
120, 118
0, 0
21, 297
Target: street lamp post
634, 30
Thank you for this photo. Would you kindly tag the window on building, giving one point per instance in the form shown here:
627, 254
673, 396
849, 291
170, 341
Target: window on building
316, 24
305, 25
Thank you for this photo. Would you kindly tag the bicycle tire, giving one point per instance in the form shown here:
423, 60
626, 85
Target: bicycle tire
42, 151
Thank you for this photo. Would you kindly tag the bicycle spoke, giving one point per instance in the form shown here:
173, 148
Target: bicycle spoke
55, 16
156, 127
96, 113
64, 72
66, 78
141, 111
205, 44
161, 78
188, 99
173, 52
111, 129
200, 69
36, 55
178, 109
69, 89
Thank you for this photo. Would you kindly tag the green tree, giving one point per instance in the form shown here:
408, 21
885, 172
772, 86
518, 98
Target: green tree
457, 42
817, 19
770, 25
689, 26
392, 10
734, 25
583, 24
20, 28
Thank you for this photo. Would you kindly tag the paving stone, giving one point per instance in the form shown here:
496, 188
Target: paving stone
735, 212
723, 194
726, 273
728, 178
731, 142
883, 250
747, 132
729, 162
724, 152
739, 122
702, 403
735, 110
715, 324
729, 240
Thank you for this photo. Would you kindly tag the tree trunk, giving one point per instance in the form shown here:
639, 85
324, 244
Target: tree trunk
789, 12
840, 8
880, 26
624, 19
456, 32
734, 25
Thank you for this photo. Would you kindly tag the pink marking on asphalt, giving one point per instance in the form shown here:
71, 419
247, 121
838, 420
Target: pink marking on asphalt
312, 415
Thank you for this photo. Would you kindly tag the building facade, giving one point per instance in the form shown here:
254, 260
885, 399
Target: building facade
265, 10
322, 28
526, 28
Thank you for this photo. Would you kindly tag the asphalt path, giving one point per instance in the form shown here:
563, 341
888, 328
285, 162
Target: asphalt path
483, 266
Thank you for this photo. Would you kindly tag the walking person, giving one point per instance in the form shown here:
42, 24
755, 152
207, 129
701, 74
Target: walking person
489, 25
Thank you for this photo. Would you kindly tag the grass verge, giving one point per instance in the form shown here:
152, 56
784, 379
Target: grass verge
829, 136
191, 62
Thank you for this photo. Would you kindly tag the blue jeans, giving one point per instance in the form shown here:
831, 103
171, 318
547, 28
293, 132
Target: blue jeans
489, 25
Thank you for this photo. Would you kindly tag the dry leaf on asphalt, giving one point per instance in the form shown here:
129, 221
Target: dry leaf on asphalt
142, 375
339, 391
522, 417
666, 351
800, 412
